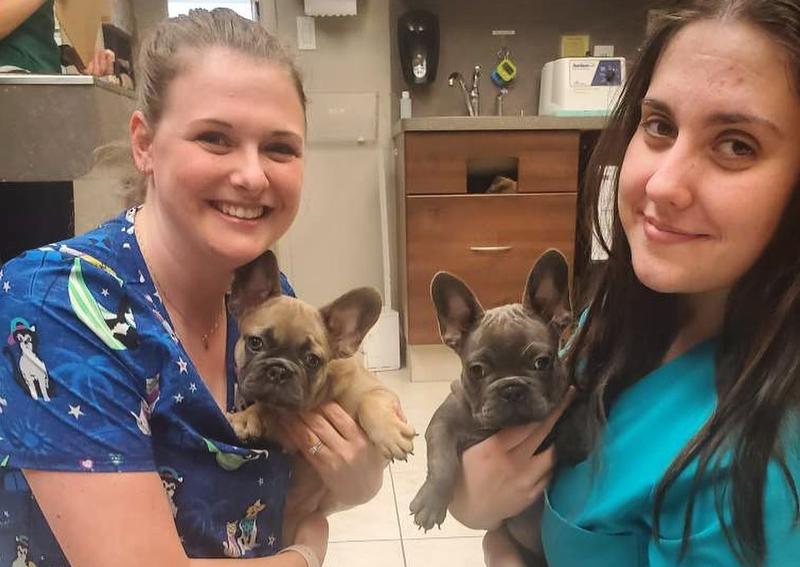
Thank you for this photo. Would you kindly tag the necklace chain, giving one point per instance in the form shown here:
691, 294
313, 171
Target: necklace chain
143, 246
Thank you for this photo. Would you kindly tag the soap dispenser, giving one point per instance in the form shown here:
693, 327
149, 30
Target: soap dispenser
418, 39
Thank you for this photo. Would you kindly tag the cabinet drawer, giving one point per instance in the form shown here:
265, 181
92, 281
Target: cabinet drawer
490, 241
439, 162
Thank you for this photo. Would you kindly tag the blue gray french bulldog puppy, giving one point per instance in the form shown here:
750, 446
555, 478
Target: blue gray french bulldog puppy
511, 375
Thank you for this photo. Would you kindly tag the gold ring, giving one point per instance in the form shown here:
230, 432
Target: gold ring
315, 448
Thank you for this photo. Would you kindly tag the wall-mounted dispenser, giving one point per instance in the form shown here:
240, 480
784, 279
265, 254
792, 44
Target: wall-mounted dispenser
418, 38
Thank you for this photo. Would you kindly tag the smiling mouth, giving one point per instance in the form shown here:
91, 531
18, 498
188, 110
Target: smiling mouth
660, 232
239, 211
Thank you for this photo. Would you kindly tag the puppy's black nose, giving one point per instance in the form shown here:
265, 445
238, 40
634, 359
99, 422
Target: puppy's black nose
513, 392
277, 373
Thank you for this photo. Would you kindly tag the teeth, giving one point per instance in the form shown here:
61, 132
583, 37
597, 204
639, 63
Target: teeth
240, 212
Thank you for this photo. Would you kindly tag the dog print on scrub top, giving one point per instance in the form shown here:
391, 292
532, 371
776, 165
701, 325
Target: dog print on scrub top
171, 480
29, 370
23, 549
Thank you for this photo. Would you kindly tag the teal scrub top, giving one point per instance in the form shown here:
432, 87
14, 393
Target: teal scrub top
600, 512
32, 46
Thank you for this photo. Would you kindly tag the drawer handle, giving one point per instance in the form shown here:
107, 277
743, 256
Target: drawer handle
490, 248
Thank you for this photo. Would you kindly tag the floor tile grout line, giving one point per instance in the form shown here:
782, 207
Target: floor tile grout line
397, 516
381, 540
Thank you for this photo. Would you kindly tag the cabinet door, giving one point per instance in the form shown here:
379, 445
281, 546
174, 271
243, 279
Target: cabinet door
439, 163
489, 241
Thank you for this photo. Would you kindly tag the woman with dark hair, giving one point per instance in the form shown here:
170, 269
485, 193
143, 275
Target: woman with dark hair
687, 356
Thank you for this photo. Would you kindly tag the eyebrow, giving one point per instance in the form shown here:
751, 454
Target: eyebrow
213, 121
727, 118
229, 126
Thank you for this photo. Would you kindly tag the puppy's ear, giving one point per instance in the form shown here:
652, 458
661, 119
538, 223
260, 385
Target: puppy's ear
254, 283
457, 309
348, 319
547, 291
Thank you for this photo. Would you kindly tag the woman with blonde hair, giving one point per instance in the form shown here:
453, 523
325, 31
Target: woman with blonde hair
118, 368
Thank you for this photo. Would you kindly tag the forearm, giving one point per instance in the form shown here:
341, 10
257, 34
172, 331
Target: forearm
137, 523
288, 559
14, 12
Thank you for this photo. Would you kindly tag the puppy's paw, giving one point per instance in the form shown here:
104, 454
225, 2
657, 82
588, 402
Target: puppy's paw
247, 424
395, 438
379, 418
429, 507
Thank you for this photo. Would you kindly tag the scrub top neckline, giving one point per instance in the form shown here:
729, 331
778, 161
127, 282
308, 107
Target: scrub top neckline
230, 327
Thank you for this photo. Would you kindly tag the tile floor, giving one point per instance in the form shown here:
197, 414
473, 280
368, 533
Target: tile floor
382, 531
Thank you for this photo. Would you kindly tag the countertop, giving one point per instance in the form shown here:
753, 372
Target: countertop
59, 80
53, 123
464, 123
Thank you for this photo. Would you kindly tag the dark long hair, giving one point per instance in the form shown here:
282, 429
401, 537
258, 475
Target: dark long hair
758, 358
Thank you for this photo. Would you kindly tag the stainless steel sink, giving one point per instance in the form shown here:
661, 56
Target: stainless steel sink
51, 124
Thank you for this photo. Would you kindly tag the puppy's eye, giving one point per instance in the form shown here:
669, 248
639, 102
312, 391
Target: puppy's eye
255, 343
312, 360
541, 363
477, 371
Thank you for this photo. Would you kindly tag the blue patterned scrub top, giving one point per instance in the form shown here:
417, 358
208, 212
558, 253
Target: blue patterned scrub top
599, 512
93, 378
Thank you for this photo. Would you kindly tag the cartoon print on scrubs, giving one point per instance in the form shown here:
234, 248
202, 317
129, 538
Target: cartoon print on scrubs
23, 549
231, 461
29, 370
231, 547
241, 536
116, 329
171, 481
120, 407
164, 323
147, 406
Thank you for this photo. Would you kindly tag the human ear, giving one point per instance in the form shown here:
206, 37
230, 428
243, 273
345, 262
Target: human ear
141, 136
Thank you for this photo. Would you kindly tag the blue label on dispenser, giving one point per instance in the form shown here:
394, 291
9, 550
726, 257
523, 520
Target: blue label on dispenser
608, 73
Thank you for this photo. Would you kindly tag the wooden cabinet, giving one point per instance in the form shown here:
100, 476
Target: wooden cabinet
489, 240
439, 162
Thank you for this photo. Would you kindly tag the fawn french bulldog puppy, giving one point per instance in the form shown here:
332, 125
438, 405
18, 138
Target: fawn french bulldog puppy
511, 375
292, 357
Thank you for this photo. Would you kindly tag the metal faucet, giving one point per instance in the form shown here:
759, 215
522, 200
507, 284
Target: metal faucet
472, 98
456, 78
474, 94
503, 92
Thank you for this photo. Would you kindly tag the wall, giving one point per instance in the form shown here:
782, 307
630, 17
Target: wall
466, 40
147, 13
335, 243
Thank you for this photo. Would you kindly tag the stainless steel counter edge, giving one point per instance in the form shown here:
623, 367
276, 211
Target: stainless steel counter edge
466, 123
32, 79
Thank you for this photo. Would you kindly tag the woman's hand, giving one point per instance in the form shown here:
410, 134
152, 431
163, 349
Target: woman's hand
101, 64
350, 466
501, 476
